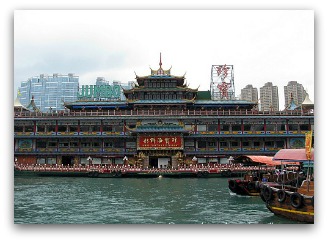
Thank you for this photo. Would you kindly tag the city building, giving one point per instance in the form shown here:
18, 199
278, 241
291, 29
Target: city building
269, 97
296, 91
249, 93
162, 123
49, 92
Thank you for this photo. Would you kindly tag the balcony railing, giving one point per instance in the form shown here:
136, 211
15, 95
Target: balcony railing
163, 112
202, 133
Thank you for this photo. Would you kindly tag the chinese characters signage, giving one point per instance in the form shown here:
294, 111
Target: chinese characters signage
160, 142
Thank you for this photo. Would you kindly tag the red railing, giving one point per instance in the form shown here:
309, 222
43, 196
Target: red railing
164, 112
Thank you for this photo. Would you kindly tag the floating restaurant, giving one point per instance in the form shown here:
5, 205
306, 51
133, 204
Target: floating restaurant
163, 123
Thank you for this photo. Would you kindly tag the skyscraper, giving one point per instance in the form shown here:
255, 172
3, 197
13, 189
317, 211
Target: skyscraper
297, 91
49, 92
249, 93
269, 97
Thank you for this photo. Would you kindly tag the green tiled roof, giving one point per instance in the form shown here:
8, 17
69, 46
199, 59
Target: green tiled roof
160, 128
203, 95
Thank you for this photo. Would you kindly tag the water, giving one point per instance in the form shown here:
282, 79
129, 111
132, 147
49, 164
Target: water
58, 200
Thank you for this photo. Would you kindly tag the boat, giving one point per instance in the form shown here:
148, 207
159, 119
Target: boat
288, 201
266, 173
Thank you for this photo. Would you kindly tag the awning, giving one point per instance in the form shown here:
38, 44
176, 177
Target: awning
292, 155
268, 160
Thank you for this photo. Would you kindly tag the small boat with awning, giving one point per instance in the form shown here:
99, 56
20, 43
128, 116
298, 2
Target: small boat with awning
293, 203
265, 173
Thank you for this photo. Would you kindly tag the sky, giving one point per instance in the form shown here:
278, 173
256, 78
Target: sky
262, 45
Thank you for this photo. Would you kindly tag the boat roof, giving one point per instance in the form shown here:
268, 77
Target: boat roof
267, 160
292, 155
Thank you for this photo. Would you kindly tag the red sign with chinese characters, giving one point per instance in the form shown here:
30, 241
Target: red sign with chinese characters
160, 142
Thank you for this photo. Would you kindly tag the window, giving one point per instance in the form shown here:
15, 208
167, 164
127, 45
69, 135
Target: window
63, 144
211, 144
224, 127
107, 128
108, 144
201, 144
84, 144
236, 127
223, 144
96, 128
28, 128
74, 144
245, 143
247, 127
212, 127
270, 127
257, 144
84, 128
18, 128
40, 128
51, 128
62, 128
73, 128
293, 127
41, 144
280, 144
52, 144
234, 143
269, 143
96, 144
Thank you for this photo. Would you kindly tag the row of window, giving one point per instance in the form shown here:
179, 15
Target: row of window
200, 128
160, 84
188, 144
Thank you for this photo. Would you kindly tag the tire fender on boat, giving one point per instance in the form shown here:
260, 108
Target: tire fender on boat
251, 186
232, 185
257, 185
281, 194
267, 193
296, 200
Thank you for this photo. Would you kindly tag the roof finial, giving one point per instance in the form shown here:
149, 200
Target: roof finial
160, 60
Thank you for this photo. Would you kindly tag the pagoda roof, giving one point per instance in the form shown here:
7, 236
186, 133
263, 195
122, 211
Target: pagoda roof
223, 102
124, 104
164, 89
33, 106
160, 73
161, 102
18, 105
95, 104
307, 100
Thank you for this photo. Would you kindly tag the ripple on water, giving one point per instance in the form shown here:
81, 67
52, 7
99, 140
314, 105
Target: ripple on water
134, 201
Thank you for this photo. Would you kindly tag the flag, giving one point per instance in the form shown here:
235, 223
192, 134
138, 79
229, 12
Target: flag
308, 144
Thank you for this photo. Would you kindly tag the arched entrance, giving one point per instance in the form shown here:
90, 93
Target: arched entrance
161, 162
67, 160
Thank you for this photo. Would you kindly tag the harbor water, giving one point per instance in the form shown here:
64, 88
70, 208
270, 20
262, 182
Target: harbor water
61, 200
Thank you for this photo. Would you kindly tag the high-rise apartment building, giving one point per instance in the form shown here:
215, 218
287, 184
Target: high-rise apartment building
49, 92
269, 97
249, 93
295, 90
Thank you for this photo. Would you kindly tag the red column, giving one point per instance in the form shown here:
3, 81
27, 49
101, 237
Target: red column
34, 127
